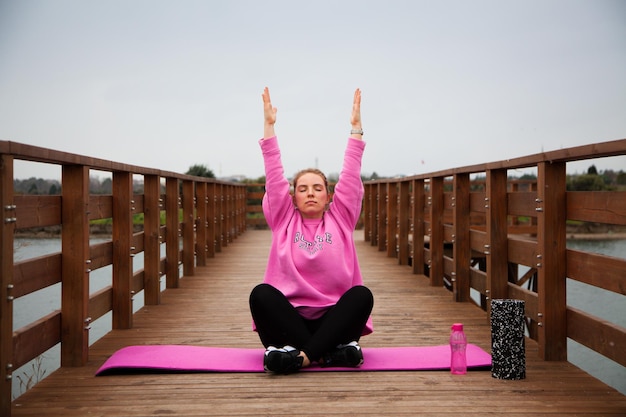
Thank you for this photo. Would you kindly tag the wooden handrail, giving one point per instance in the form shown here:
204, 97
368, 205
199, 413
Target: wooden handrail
446, 231
204, 214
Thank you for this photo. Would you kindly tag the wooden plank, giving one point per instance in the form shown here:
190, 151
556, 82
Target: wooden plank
404, 225
435, 233
211, 220
478, 280
100, 303
172, 232
522, 203
478, 240
419, 201
392, 219
219, 218
36, 338
448, 233
36, 273
189, 238
100, 255
374, 215
137, 202
551, 265
122, 260
37, 210
381, 219
227, 222
522, 251
100, 207
597, 206
256, 195
367, 211
8, 208
496, 248
136, 283
461, 238
201, 224
598, 270
75, 253
477, 202
602, 336
137, 243
255, 209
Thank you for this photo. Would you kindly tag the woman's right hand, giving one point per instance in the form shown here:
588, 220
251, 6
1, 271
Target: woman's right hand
269, 114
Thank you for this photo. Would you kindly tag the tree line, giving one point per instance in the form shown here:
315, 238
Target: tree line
592, 180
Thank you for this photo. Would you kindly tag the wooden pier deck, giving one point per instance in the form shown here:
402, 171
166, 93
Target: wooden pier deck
211, 308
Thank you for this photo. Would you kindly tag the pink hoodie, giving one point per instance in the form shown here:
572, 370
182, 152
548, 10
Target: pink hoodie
313, 261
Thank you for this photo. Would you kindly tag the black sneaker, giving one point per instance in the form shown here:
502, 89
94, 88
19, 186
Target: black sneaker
348, 355
283, 360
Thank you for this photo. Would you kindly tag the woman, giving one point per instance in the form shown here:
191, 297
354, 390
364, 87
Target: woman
312, 305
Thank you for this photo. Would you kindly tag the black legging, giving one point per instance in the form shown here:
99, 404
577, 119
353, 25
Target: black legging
279, 323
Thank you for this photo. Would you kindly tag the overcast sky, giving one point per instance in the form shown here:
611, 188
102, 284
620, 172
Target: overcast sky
170, 84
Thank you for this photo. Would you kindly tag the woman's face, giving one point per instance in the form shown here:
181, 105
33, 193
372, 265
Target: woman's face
310, 196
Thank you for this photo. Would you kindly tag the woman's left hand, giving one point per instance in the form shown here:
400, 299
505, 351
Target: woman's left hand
355, 119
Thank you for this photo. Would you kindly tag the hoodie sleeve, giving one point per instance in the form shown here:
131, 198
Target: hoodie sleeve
277, 201
348, 196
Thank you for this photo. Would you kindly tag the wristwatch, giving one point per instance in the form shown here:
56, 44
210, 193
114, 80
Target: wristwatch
356, 132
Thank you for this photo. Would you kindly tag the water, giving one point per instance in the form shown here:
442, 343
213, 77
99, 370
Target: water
600, 303
45, 301
603, 304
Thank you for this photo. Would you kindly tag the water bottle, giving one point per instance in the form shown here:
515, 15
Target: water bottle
458, 343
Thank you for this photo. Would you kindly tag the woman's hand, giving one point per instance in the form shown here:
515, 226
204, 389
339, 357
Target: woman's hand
355, 119
269, 114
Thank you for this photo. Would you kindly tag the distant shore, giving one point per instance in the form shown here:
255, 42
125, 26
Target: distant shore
573, 235
596, 236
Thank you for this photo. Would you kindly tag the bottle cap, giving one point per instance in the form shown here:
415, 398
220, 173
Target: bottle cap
457, 326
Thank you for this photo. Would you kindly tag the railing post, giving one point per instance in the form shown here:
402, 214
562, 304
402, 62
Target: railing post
374, 214
75, 272
172, 224
225, 215
152, 241
228, 218
188, 228
367, 212
404, 226
122, 241
6, 281
461, 247
496, 248
551, 261
435, 204
219, 216
418, 228
211, 219
239, 210
392, 219
381, 224
201, 223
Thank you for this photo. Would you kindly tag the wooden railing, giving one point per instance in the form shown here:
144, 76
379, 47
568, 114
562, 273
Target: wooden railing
440, 223
192, 217
473, 235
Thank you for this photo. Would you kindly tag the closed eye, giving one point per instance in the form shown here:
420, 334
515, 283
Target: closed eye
317, 188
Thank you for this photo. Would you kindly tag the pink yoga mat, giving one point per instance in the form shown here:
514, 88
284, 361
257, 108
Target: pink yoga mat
184, 358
